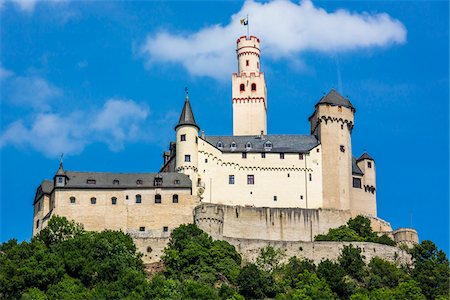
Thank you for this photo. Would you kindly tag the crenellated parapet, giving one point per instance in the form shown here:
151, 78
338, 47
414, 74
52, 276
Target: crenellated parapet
209, 218
406, 236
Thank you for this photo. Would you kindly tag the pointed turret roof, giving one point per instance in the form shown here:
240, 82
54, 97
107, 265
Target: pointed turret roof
334, 98
60, 171
187, 116
365, 155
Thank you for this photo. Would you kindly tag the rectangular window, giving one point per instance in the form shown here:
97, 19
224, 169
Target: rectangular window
369, 164
281, 155
165, 229
142, 228
230, 179
356, 182
301, 197
39, 206
183, 137
187, 158
93, 200
60, 179
310, 177
274, 198
196, 139
263, 155
244, 155
300, 156
247, 62
37, 224
250, 179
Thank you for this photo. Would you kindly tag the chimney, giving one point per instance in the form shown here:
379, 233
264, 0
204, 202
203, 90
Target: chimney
203, 134
262, 134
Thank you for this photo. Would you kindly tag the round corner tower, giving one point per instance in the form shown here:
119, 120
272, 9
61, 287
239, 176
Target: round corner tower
249, 89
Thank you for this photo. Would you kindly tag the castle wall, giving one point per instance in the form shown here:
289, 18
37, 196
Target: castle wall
294, 182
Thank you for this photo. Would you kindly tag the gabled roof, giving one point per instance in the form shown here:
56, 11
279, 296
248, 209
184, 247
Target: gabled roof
365, 155
280, 143
45, 188
334, 98
355, 169
187, 116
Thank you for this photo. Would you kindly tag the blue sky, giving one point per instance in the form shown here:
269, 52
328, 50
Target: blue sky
103, 83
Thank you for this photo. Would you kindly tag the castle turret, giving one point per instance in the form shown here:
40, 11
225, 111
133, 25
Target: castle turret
249, 90
367, 164
332, 124
187, 144
60, 178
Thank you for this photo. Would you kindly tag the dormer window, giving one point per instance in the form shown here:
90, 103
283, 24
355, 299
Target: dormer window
268, 146
220, 145
90, 181
176, 181
158, 180
242, 87
248, 146
115, 182
139, 182
253, 87
60, 180
233, 146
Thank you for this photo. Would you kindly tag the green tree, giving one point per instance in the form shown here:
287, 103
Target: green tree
59, 229
352, 261
309, 286
269, 259
255, 283
335, 276
295, 266
384, 274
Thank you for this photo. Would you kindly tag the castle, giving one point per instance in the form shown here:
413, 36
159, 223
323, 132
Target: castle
251, 188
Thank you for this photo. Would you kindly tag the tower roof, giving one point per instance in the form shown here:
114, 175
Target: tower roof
187, 116
60, 171
334, 98
365, 155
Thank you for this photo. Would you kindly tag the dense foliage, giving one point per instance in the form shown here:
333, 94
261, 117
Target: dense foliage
66, 262
357, 230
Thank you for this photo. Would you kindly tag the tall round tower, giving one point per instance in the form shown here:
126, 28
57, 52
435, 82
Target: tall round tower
249, 93
187, 144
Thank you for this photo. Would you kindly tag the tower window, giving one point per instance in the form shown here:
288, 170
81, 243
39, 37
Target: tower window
342, 148
268, 146
113, 200
158, 198
342, 126
257, 65
242, 87
310, 177
37, 223
72, 200
318, 150
60, 179
248, 146
263, 155
247, 62
183, 137
244, 155
340, 108
369, 165
39, 206
253, 87
93, 200
250, 179
301, 197
274, 198
138, 199
356, 182
281, 155
230, 179
233, 146
187, 158
175, 198
300, 156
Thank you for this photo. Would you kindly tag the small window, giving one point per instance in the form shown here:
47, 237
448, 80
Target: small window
39, 206
244, 155
126, 197
340, 108
289, 175
242, 87
196, 139
115, 182
113, 200
90, 181
274, 198
357, 182
369, 165
138, 199
219, 145
176, 181
93, 200
158, 181
233, 146
247, 62
310, 177
60, 179
230, 179
300, 156
165, 229
263, 155
139, 182
257, 65
342, 148
281, 155
175, 198
317, 150
250, 179
158, 198
248, 146
268, 146
253, 87
37, 223
187, 158
206, 160
301, 197
342, 126
142, 228
183, 137
72, 200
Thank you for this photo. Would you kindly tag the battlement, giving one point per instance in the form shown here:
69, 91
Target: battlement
406, 236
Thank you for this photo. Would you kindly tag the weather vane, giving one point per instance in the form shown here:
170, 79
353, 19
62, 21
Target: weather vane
187, 91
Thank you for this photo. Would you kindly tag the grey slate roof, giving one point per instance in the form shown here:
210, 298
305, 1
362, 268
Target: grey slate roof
355, 169
47, 186
60, 171
365, 156
334, 98
280, 143
187, 116
126, 180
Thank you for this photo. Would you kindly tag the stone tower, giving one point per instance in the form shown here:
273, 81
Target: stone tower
332, 124
249, 90
187, 144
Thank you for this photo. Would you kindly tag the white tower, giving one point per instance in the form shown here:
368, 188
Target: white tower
249, 90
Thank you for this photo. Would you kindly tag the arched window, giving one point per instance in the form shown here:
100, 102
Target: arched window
233, 146
72, 200
93, 200
268, 146
242, 87
219, 145
158, 198
138, 199
115, 181
113, 200
253, 87
175, 198
248, 146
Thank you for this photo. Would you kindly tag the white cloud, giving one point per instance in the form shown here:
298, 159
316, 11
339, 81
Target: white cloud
4, 73
25, 5
117, 122
285, 28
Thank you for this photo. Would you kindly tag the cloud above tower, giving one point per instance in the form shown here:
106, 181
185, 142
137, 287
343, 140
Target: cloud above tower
286, 30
